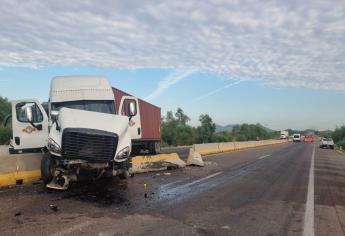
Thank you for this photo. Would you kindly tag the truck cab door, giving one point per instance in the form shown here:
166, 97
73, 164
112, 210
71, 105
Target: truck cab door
28, 137
135, 122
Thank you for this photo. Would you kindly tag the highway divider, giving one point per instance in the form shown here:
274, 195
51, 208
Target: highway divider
214, 148
18, 168
24, 168
141, 164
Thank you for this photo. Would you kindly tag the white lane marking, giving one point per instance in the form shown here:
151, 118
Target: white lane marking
205, 178
308, 228
73, 229
262, 157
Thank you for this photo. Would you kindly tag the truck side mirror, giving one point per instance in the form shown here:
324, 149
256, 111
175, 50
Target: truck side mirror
54, 115
28, 114
132, 109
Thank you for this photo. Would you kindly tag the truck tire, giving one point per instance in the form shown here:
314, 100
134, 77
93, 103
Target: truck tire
47, 168
125, 167
154, 148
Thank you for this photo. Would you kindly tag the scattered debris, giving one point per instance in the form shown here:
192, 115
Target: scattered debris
18, 213
225, 227
53, 207
158, 174
194, 158
174, 163
167, 173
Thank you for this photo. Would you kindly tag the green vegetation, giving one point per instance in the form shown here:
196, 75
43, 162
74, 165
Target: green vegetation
338, 136
5, 134
176, 131
5, 109
247, 132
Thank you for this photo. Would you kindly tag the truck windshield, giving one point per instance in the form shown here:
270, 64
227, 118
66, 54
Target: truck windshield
87, 105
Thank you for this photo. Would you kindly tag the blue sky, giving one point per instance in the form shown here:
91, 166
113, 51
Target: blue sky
277, 62
198, 93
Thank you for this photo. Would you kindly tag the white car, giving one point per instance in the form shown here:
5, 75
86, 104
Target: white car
296, 138
327, 143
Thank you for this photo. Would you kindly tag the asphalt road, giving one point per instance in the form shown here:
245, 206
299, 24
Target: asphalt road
263, 191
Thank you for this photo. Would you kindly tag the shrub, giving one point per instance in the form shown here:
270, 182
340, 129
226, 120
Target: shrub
341, 144
5, 135
339, 134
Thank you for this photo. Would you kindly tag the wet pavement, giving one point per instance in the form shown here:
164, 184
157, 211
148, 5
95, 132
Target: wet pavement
259, 191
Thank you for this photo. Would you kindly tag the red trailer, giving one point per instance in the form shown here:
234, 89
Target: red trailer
145, 124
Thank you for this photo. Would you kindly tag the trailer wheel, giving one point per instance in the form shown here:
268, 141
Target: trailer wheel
47, 168
154, 148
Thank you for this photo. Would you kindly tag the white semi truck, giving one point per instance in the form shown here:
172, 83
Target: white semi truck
82, 136
284, 134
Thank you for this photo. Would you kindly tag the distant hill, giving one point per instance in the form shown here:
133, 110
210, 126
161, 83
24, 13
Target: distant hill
267, 129
220, 128
228, 128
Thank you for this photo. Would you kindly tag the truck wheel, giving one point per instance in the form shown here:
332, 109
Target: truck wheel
154, 148
157, 147
125, 167
47, 168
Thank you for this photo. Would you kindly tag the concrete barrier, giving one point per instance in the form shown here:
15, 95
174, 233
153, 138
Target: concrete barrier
18, 168
141, 164
214, 148
25, 168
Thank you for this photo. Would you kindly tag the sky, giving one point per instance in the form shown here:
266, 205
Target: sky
278, 63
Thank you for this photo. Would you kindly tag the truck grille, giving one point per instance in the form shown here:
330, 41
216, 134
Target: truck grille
89, 144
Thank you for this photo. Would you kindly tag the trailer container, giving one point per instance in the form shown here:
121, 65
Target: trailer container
146, 131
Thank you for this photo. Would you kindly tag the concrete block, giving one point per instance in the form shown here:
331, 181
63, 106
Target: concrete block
194, 158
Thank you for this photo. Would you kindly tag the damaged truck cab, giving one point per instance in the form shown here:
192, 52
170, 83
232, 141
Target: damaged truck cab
82, 136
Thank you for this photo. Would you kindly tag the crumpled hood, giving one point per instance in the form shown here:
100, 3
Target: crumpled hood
73, 118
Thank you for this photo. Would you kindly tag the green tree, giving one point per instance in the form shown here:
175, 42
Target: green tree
175, 129
181, 117
245, 132
168, 128
338, 134
206, 129
5, 108
223, 136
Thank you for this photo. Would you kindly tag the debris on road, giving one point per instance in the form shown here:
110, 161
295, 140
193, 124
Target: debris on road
18, 213
194, 158
167, 173
53, 207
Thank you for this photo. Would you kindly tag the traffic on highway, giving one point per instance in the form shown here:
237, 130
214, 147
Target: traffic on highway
172, 118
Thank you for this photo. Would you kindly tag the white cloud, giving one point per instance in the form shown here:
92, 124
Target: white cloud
218, 90
168, 81
285, 43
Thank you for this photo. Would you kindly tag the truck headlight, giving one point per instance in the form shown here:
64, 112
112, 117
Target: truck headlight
53, 146
123, 154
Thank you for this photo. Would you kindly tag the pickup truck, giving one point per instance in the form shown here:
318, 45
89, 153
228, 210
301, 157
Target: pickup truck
296, 138
327, 143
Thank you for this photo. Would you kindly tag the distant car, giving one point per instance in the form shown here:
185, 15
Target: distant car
296, 138
309, 139
327, 143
